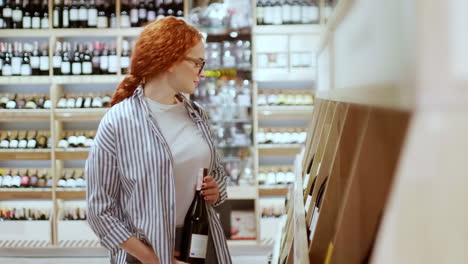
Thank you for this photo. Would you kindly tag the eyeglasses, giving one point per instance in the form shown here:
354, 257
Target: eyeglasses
199, 63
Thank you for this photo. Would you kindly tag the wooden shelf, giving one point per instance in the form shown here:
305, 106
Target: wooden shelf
24, 79
283, 74
25, 115
72, 154
279, 150
25, 154
289, 29
87, 79
71, 194
25, 193
283, 112
242, 192
273, 191
71, 32
71, 115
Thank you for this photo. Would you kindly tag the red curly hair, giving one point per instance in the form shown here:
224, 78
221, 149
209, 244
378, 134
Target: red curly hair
162, 44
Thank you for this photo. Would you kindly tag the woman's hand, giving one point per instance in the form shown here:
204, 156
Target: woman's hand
210, 190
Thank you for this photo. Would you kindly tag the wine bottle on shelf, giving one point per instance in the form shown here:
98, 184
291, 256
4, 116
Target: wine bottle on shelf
44, 59
6, 68
41, 139
35, 60
125, 57
8, 179
87, 64
97, 102
161, 13
196, 225
74, 14
65, 21
80, 180
16, 59
296, 12
89, 139
16, 181
11, 104
87, 102
112, 16
81, 139
7, 14
4, 139
45, 15
26, 69
57, 59
82, 14
102, 20
2, 55
30, 102
169, 8
57, 14
70, 102
142, 13
17, 15
179, 7
260, 10
70, 180
25, 180
65, 65
31, 137
76, 62
113, 60
96, 58
106, 101
104, 60
286, 12
27, 14
50, 181
13, 139
125, 16
22, 142
36, 15
79, 102
134, 14
151, 12
277, 13
92, 14
3, 101
20, 102
72, 140
42, 180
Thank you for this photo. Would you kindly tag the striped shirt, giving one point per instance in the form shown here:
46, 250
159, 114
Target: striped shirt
131, 188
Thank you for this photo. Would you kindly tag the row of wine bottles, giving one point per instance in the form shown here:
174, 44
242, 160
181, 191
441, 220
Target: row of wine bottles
275, 175
7, 214
281, 135
24, 101
284, 12
285, 97
84, 13
25, 178
25, 139
24, 59
84, 101
72, 178
75, 213
77, 139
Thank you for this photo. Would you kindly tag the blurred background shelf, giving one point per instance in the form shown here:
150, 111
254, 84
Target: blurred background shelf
25, 114
25, 193
281, 112
81, 114
25, 154
72, 154
266, 191
288, 29
278, 149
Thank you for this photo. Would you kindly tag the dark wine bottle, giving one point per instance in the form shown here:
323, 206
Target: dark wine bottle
196, 225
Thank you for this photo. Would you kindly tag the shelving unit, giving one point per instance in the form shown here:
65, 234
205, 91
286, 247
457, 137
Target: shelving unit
284, 112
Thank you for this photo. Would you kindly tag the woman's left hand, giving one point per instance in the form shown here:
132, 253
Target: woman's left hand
210, 190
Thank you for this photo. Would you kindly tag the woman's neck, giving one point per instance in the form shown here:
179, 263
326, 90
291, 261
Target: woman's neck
160, 91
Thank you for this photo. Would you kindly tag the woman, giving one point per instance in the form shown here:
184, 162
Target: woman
147, 149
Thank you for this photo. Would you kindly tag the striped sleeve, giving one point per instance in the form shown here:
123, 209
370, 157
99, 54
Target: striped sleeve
103, 191
218, 172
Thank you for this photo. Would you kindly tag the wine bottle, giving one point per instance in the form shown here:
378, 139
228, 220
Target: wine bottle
179, 6
96, 58
4, 139
31, 139
151, 12
8, 179
57, 58
113, 60
44, 59
22, 142
125, 57
142, 13
196, 225
16, 59
27, 14
87, 64
286, 12
76, 64
134, 14
66, 14
45, 15
102, 17
17, 15
104, 60
92, 14
26, 69
16, 182
112, 16
36, 60
25, 180
41, 139
13, 139
74, 14
7, 69
7, 14
42, 180
65, 67
125, 16
82, 14
260, 12
56, 14
80, 180
36, 17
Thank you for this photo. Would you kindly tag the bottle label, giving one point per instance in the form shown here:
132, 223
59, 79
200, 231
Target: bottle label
36, 22
151, 15
4, 144
57, 61
16, 65
23, 143
17, 15
26, 22
44, 63
142, 13
76, 68
45, 23
87, 67
7, 12
26, 70
125, 21
14, 143
124, 62
63, 143
66, 18
113, 64
102, 22
134, 16
31, 143
65, 67
56, 19
74, 15
83, 14
6, 71
198, 246
92, 17
35, 62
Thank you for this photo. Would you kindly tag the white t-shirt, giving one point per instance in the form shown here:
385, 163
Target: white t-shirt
189, 150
